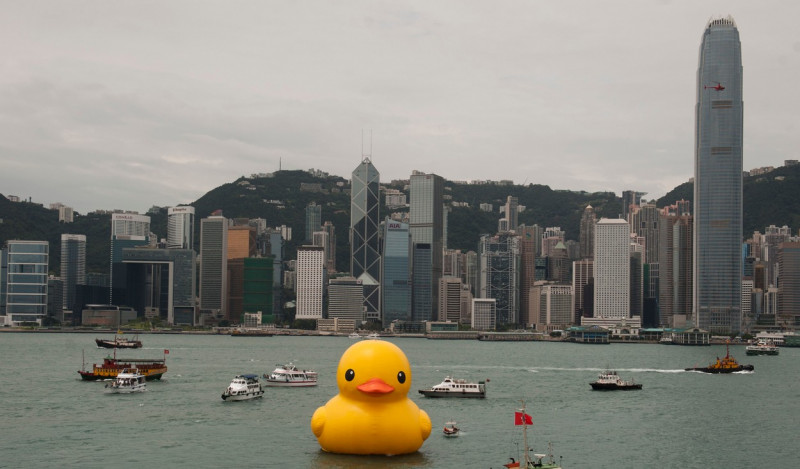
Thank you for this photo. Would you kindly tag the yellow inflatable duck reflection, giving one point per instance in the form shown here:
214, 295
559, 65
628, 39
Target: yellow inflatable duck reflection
372, 413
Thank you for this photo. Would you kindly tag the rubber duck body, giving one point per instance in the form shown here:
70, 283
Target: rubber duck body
372, 413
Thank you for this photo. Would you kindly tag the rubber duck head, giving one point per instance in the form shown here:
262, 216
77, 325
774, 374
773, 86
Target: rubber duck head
374, 370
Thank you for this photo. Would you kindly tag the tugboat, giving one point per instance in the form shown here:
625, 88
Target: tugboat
727, 364
242, 388
610, 381
762, 348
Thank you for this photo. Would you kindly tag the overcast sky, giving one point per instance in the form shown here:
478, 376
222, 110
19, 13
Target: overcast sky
129, 104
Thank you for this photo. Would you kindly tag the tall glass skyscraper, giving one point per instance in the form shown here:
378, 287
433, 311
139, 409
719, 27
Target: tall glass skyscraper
365, 259
396, 278
718, 180
426, 225
73, 266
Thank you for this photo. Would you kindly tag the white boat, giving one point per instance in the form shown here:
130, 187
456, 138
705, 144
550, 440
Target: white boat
374, 335
354, 335
762, 347
127, 381
289, 376
242, 388
451, 387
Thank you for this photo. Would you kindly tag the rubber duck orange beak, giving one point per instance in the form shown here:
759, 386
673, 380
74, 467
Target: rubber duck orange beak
375, 386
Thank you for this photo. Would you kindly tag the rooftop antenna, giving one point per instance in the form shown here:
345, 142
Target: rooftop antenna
366, 156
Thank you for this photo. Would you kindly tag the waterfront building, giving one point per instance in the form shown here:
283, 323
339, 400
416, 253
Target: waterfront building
612, 269
23, 281
163, 282
330, 246
675, 263
789, 285
528, 240
582, 275
588, 220
552, 306
346, 299
73, 266
718, 180
313, 219
449, 299
499, 275
365, 258
484, 314
180, 227
310, 281
396, 292
257, 293
421, 278
128, 230
426, 225
214, 266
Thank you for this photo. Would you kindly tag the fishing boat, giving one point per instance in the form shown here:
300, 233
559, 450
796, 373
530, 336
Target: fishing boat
762, 347
243, 388
451, 387
450, 430
528, 460
127, 381
150, 368
119, 342
610, 381
727, 364
289, 376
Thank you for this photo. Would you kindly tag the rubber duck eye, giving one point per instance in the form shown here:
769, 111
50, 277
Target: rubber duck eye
349, 375
401, 377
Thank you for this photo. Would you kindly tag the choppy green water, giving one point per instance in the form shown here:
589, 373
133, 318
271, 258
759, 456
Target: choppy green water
49, 417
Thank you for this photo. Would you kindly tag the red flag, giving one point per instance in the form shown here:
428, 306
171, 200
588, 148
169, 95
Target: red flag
166, 352
518, 419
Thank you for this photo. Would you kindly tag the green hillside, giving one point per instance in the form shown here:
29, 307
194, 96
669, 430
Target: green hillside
773, 198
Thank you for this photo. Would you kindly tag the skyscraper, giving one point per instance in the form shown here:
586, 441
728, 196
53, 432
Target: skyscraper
396, 294
180, 227
128, 230
23, 282
718, 180
310, 282
512, 212
612, 269
499, 275
588, 219
426, 225
313, 219
73, 266
214, 265
365, 258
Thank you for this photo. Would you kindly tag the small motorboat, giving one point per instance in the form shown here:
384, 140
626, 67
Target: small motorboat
610, 381
127, 381
242, 388
450, 430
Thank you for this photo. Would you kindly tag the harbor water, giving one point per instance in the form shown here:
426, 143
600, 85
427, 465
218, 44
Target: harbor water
50, 417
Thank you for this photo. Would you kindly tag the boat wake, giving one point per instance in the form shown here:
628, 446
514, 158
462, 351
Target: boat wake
631, 370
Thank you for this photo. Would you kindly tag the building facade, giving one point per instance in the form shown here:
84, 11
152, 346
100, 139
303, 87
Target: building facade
612, 269
718, 180
365, 257
426, 226
214, 266
396, 291
310, 282
73, 266
499, 275
180, 227
23, 281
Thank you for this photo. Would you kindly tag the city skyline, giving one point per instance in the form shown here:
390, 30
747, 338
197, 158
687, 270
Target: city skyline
99, 115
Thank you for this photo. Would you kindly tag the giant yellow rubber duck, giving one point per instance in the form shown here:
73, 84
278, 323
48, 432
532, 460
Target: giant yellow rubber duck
372, 413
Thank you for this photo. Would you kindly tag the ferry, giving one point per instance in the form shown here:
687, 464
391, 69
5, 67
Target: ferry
289, 376
451, 387
727, 364
150, 368
127, 381
762, 347
242, 388
610, 381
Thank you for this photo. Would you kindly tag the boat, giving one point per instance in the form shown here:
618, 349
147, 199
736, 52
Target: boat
610, 381
451, 387
450, 430
762, 347
252, 332
119, 342
727, 364
289, 376
127, 381
151, 368
354, 335
374, 335
242, 388
535, 460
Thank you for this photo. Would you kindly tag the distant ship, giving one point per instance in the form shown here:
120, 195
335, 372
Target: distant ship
727, 364
610, 381
119, 342
762, 348
113, 366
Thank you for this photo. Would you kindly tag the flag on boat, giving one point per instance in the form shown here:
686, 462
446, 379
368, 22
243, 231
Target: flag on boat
522, 419
166, 352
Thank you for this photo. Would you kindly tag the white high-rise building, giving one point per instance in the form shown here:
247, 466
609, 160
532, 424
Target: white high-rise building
612, 269
310, 280
180, 227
